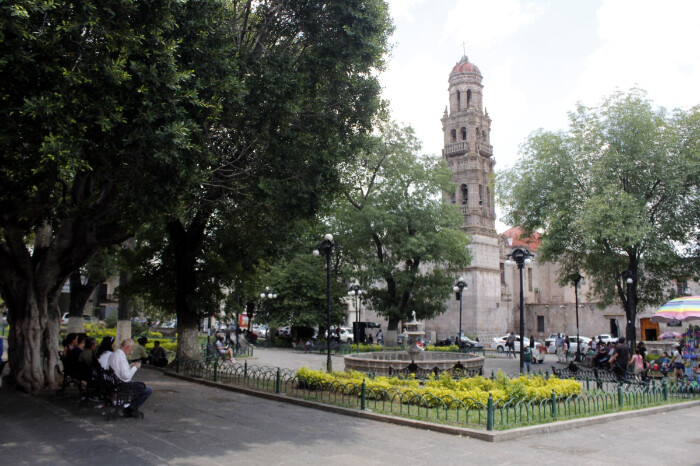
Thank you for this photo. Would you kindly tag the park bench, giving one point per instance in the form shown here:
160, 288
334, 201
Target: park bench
599, 375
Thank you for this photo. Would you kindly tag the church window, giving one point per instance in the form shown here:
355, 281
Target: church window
465, 194
459, 100
453, 198
503, 273
469, 97
488, 198
464, 133
481, 195
453, 133
529, 279
477, 134
483, 135
540, 324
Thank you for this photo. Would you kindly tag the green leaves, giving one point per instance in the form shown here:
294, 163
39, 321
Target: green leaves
618, 191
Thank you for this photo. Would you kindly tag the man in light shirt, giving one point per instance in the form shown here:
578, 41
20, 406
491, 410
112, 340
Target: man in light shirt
124, 371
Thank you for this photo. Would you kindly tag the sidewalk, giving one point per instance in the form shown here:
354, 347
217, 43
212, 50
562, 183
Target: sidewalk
187, 423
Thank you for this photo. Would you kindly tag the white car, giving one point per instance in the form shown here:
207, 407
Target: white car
573, 344
260, 330
346, 335
606, 338
499, 343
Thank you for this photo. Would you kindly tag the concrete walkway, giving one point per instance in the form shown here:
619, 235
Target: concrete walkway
187, 423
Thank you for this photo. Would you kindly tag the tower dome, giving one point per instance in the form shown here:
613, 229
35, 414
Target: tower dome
465, 66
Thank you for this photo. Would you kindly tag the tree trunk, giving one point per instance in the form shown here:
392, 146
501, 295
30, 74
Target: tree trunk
186, 244
125, 301
33, 339
79, 295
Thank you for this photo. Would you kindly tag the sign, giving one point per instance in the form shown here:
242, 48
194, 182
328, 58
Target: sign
243, 321
674, 323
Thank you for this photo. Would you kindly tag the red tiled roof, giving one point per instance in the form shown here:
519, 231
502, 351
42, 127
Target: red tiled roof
516, 234
465, 66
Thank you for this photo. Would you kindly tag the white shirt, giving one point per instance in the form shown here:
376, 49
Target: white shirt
121, 367
104, 359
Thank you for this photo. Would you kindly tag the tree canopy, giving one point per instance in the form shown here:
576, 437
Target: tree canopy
618, 191
399, 239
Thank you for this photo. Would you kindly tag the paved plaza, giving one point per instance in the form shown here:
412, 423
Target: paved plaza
188, 423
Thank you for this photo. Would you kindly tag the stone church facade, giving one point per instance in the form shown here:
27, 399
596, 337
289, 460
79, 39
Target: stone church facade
490, 303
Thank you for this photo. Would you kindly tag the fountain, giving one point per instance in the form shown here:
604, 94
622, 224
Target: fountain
384, 362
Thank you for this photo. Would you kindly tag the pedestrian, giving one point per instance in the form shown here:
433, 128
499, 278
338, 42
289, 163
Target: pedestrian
620, 358
559, 343
380, 337
677, 361
510, 345
527, 358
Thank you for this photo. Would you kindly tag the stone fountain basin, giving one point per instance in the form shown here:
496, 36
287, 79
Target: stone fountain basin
380, 362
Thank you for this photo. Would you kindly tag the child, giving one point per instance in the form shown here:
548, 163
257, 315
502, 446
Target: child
663, 363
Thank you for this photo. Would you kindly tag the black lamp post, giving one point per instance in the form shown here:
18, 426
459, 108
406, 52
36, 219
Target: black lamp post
326, 247
577, 278
459, 287
630, 330
521, 257
356, 291
266, 297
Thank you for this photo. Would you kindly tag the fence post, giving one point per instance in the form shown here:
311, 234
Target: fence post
664, 389
363, 394
489, 413
554, 405
588, 383
620, 398
492, 376
245, 370
216, 368
546, 374
277, 382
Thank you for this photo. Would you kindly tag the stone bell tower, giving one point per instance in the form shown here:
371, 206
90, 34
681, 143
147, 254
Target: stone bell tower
467, 134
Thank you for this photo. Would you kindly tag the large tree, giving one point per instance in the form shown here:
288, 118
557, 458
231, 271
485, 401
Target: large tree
100, 112
618, 191
306, 91
400, 240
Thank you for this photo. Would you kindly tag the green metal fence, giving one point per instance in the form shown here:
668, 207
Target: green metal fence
492, 415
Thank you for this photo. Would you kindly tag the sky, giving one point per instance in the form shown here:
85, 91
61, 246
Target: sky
538, 59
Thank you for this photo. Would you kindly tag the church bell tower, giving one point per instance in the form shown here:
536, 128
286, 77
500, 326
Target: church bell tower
467, 149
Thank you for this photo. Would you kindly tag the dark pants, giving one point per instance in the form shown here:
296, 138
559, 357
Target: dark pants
141, 399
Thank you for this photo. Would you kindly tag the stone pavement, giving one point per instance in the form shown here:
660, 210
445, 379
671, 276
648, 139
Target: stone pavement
188, 423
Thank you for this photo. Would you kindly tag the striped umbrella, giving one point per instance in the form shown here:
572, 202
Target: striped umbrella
684, 308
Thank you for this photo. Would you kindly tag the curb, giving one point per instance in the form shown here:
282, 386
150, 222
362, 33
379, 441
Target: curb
493, 436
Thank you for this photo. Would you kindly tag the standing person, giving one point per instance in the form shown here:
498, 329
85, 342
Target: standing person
527, 358
559, 343
621, 357
510, 345
565, 349
637, 362
677, 361
380, 337
124, 371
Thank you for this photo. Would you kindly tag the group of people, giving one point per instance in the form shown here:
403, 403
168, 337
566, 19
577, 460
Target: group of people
81, 353
618, 357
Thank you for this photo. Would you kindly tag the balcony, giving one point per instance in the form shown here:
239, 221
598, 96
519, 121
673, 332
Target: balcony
457, 148
484, 149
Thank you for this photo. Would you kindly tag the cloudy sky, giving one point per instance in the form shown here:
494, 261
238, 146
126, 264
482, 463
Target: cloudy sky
538, 59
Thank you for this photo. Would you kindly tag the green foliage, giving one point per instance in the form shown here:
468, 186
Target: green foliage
618, 191
396, 230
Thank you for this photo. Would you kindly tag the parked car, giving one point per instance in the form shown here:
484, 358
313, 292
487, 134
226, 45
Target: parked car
260, 330
346, 335
169, 324
606, 338
466, 341
499, 343
573, 344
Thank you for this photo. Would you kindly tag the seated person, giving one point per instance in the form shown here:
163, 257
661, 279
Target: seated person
104, 352
224, 350
158, 357
663, 363
309, 345
124, 371
139, 353
87, 356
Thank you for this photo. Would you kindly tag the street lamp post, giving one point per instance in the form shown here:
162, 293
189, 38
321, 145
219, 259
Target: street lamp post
266, 297
356, 291
521, 257
630, 330
577, 278
459, 287
326, 247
